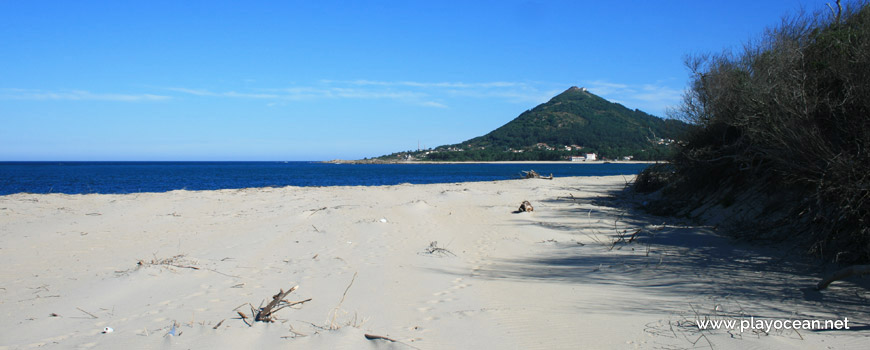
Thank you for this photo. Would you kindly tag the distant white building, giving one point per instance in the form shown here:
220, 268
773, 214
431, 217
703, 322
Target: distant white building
588, 157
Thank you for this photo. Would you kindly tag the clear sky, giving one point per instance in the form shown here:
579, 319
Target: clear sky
318, 80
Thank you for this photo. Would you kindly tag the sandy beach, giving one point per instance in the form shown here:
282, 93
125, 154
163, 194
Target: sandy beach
440, 266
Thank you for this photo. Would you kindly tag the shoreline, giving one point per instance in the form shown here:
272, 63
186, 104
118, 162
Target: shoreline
434, 266
340, 161
298, 177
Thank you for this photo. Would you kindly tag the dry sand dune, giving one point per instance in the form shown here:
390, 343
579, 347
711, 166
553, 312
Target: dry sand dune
549, 279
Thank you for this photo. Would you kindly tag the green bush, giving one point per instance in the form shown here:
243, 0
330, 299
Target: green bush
790, 113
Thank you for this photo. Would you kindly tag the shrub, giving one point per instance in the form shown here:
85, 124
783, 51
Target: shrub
789, 113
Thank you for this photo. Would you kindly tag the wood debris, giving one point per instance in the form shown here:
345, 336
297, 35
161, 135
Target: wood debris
265, 314
531, 174
526, 206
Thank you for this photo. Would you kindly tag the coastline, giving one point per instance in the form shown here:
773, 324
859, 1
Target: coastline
373, 161
558, 277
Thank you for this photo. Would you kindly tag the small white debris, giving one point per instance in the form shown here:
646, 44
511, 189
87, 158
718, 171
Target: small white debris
383, 220
108, 330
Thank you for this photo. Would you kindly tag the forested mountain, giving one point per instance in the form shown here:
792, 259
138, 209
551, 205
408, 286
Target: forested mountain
575, 122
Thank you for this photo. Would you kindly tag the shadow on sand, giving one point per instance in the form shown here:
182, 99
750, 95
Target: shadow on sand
677, 265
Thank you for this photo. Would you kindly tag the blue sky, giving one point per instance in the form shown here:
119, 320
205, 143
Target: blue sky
318, 80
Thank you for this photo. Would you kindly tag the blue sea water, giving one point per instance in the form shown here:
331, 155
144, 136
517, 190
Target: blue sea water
132, 177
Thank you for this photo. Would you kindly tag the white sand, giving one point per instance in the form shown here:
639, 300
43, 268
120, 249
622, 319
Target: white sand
544, 280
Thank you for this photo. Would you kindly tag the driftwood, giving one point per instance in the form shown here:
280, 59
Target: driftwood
526, 206
376, 337
380, 337
436, 250
277, 303
850, 271
531, 174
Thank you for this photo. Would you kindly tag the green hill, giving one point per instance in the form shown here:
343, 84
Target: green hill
574, 122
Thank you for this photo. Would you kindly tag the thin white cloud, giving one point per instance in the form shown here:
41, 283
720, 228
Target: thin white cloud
651, 98
76, 95
201, 92
249, 95
417, 84
412, 92
513, 95
654, 93
433, 104
604, 88
654, 98
196, 92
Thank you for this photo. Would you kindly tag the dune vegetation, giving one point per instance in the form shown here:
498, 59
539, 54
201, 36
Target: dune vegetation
779, 136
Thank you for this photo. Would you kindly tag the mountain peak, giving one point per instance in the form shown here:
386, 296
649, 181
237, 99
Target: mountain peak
573, 90
573, 120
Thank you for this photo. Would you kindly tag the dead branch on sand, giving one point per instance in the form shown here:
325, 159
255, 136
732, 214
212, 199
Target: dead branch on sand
434, 249
175, 261
526, 206
850, 271
278, 302
266, 313
380, 337
314, 211
620, 238
531, 174
376, 337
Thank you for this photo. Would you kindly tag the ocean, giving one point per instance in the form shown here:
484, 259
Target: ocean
133, 177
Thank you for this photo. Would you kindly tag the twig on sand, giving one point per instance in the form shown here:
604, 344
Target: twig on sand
375, 337
177, 261
315, 210
634, 235
277, 303
332, 324
380, 337
220, 273
90, 314
295, 333
434, 249
172, 261
218, 324
244, 318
